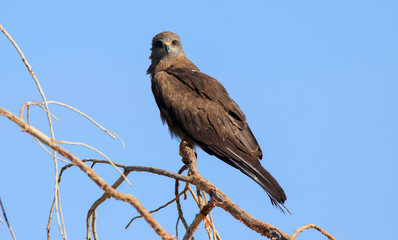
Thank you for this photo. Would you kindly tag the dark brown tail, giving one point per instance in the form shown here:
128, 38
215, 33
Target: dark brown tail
251, 167
255, 171
267, 182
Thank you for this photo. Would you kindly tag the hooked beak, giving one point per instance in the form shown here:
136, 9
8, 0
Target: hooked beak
167, 47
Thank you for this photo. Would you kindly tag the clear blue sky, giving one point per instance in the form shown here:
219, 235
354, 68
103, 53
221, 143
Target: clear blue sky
317, 80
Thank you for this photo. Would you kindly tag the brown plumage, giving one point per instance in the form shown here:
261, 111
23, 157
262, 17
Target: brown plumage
198, 109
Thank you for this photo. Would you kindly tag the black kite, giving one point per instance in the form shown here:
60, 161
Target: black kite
198, 109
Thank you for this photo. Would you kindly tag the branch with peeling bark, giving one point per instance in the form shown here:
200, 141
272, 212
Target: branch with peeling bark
217, 198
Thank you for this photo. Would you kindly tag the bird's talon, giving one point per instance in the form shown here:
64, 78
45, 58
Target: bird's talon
185, 160
182, 145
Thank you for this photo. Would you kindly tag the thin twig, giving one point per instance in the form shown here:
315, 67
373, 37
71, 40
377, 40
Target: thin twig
206, 219
93, 208
60, 212
200, 200
179, 209
5, 218
209, 217
94, 223
308, 226
110, 133
100, 153
45, 149
39, 104
193, 194
157, 209
216, 235
178, 220
27, 105
49, 219
157, 171
199, 218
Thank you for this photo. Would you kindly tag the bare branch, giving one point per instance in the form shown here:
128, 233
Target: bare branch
308, 226
91, 215
159, 208
100, 153
90, 173
5, 219
52, 155
110, 133
49, 219
199, 218
39, 104
209, 221
157, 171
94, 223
179, 209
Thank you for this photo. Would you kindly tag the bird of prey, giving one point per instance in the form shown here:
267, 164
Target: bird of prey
198, 110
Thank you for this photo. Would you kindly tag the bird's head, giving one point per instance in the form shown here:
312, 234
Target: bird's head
166, 45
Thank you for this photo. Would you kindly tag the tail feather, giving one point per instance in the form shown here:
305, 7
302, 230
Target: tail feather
269, 184
255, 171
251, 167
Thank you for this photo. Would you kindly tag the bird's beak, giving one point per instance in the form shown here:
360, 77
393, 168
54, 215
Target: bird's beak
167, 47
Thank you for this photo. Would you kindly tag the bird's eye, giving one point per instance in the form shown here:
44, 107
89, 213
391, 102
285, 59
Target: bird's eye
158, 44
174, 42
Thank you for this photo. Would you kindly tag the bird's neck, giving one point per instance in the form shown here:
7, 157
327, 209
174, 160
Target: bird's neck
164, 63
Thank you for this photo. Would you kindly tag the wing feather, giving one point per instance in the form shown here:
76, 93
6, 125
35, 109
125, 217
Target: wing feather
198, 109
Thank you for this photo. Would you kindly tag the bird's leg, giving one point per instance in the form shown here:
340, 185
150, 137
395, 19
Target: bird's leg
189, 157
182, 154
184, 157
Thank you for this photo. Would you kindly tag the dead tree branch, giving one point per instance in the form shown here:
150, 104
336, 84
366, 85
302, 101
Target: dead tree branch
90, 173
91, 215
308, 226
198, 219
6, 220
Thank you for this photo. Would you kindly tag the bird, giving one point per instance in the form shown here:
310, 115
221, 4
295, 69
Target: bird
199, 111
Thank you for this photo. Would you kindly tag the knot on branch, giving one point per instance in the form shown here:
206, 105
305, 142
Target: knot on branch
217, 196
277, 235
